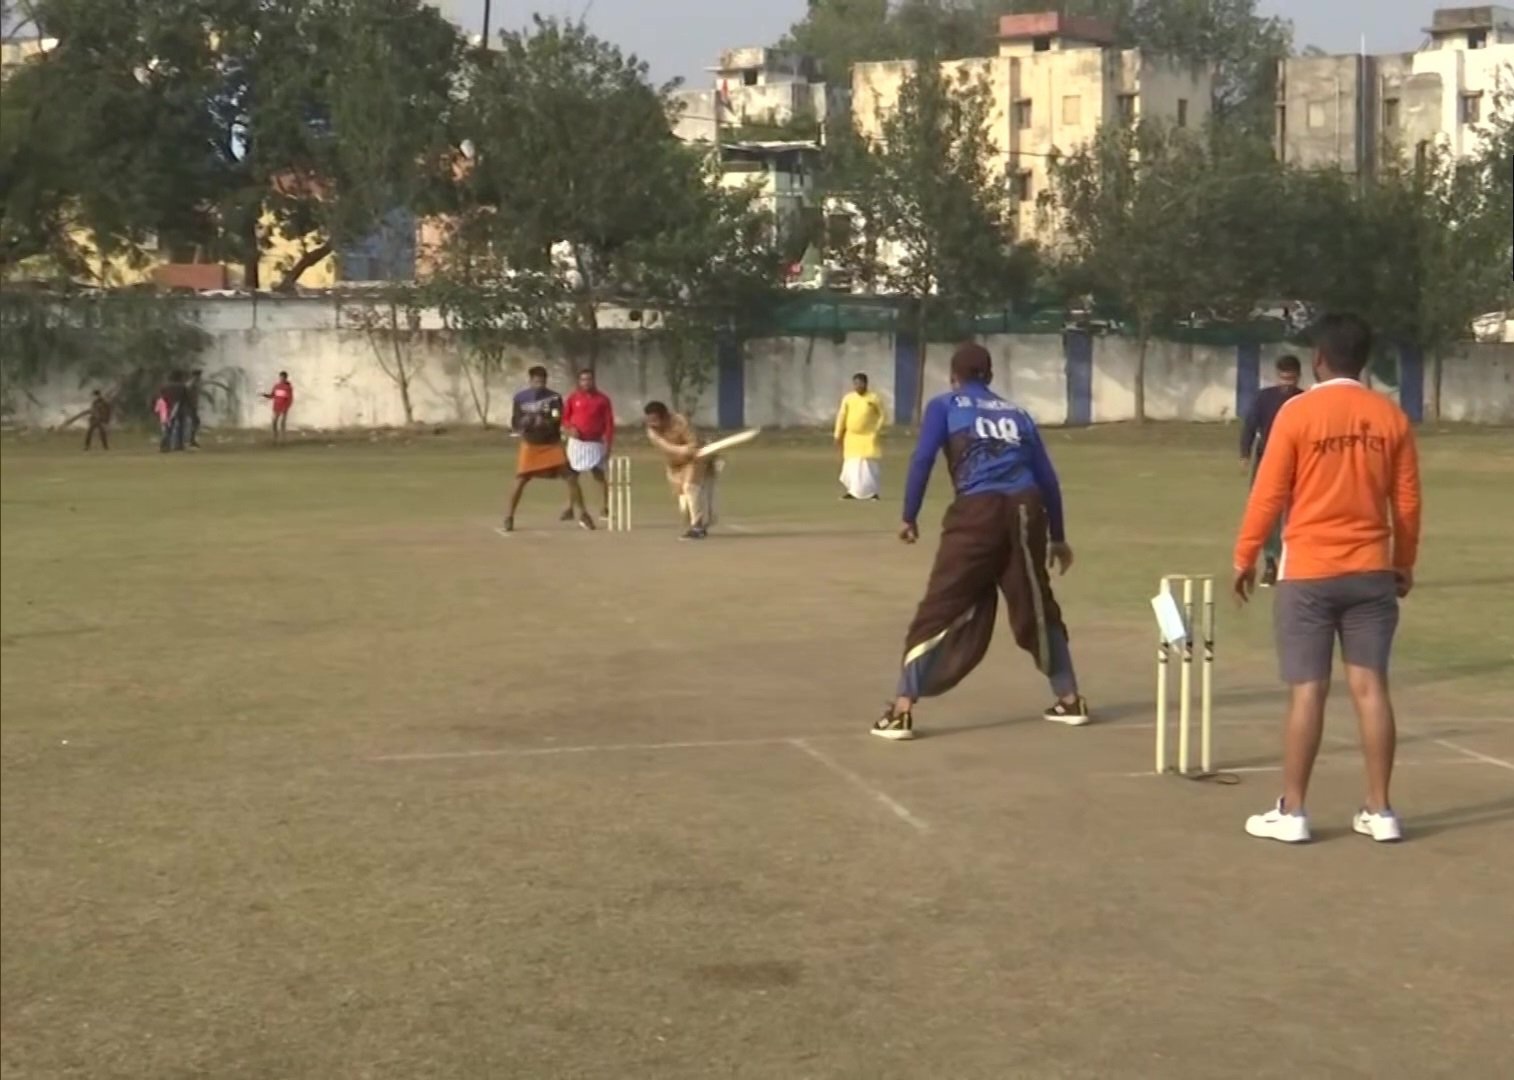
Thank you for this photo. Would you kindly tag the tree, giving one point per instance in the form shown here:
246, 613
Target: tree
574, 169
1136, 228
125, 343
212, 126
717, 276
489, 307
389, 317
936, 228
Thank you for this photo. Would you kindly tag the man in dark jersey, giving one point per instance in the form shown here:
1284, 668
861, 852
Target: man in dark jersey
537, 416
1000, 535
1254, 434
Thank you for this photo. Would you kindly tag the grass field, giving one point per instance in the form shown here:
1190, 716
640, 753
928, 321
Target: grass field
308, 773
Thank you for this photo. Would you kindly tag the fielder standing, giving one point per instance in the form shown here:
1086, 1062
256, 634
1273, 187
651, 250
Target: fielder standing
1254, 435
1000, 535
858, 423
1342, 461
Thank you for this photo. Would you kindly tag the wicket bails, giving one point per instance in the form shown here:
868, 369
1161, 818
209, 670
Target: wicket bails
620, 494
1165, 649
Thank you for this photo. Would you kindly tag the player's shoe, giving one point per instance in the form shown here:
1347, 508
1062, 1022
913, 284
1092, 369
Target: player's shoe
1269, 574
508, 526
847, 496
695, 534
1278, 824
1382, 825
566, 515
895, 726
586, 521
1073, 715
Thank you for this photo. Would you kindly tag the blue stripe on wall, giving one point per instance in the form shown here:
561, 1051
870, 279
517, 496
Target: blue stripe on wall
730, 401
1411, 382
1248, 377
906, 378
1077, 352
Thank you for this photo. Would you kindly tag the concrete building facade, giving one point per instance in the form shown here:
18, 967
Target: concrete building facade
1055, 81
1356, 112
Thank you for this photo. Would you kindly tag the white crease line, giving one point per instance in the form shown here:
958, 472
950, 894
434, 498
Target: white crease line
600, 748
1475, 755
1239, 770
899, 809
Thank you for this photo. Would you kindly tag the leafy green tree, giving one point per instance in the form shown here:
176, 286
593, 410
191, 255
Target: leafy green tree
716, 276
935, 224
124, 343
188, 121
1135, 227
574, 169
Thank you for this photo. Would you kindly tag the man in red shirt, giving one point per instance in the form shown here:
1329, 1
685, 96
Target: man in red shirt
588, 420
282, 397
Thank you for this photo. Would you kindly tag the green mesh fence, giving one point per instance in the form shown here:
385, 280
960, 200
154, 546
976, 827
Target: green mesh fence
837, 314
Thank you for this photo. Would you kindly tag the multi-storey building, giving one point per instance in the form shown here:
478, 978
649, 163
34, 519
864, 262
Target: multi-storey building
1055, 81
1353, 112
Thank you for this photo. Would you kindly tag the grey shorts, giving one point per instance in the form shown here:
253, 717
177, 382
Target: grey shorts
1307, 616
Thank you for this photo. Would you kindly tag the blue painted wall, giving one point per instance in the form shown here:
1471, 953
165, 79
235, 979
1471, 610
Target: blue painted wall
730, 400
1077, 355
906, 378
1248, 377
1411, 382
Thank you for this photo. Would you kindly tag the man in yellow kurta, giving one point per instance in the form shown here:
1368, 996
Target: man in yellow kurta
858, 423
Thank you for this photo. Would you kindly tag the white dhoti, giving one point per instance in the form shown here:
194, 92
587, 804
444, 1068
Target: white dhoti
585, 456
862, 477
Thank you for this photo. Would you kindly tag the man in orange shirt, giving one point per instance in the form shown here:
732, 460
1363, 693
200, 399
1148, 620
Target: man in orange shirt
1342, 462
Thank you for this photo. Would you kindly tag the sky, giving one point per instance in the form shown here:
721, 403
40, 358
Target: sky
680, 38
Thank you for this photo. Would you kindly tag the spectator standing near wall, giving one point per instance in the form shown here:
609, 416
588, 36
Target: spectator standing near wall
171, 412
282, 397
99, 413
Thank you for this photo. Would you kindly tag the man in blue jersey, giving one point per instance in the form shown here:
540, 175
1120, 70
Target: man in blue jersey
1002, 533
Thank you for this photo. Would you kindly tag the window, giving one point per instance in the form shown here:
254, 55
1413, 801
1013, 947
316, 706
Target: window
749, 77
1022, 113
1390, 113
1471, 108
1022, 186
1127, 107
1316, 114
1182, 112
1041, 44
1421, 154
1477, 39
1072, 110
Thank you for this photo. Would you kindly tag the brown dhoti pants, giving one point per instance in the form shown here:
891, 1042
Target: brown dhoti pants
990, 544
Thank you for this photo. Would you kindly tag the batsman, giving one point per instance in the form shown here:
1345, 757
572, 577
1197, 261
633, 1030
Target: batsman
1002, 533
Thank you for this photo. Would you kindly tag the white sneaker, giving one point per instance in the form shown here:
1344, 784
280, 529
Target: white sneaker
1276, 824
1382, 825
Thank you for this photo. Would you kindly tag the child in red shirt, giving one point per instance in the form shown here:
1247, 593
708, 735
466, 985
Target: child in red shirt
282, 397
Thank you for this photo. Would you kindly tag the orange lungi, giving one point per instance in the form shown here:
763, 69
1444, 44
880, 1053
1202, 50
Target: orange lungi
544, 460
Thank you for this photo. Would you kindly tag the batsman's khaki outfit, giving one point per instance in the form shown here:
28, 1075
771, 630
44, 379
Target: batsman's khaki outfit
693, 482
